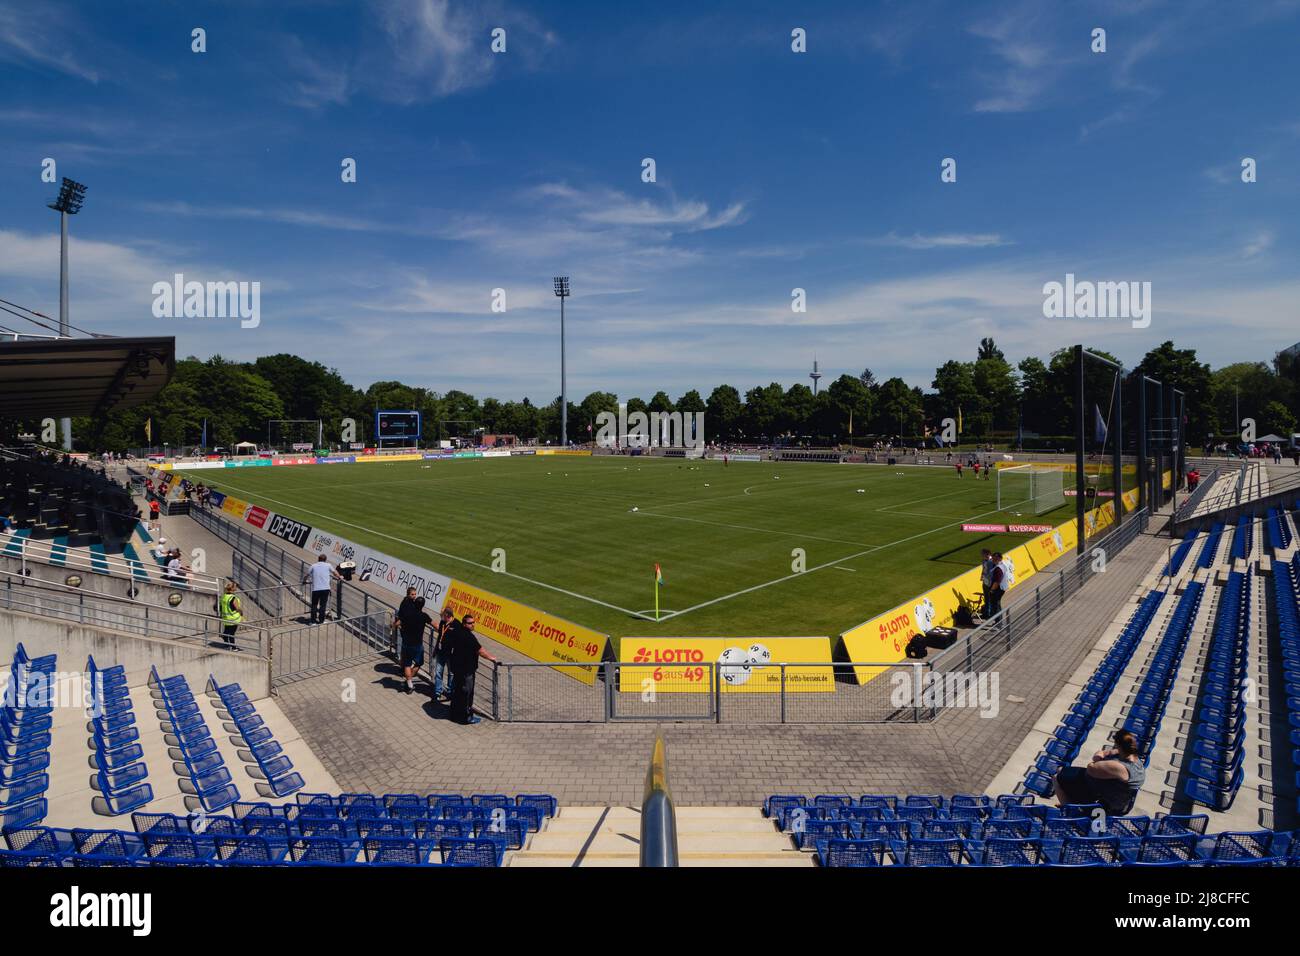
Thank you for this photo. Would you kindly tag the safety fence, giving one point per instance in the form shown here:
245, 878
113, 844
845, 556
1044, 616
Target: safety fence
315, 649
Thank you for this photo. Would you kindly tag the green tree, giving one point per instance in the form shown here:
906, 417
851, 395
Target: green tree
722, 411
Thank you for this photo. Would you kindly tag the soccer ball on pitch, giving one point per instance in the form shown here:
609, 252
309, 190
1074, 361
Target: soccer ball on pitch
733, 666
862, 491
636, 509
759, 655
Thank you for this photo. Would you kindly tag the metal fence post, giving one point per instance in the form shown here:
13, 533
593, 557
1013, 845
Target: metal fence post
510, 693
783, 666
608, 668
496, 696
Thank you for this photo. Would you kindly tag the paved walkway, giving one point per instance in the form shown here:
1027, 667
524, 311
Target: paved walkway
372, 737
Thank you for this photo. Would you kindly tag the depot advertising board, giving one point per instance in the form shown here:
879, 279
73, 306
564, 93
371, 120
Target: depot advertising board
743, 665
392, 574
533, 633
295, 532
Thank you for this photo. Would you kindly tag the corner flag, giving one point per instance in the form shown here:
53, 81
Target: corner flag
659, 582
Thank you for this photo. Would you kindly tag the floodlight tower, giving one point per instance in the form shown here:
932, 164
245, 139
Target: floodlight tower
815, 376
562, 293
68, 203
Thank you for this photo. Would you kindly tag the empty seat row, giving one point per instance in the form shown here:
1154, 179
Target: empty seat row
25, 721
121, 772
1211, 548
1249, 848
256, 740
1286, 591
1152, 697
203, 774
1217, 748
1176, 559
1243, 540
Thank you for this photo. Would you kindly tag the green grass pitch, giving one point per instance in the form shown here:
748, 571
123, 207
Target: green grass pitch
724, 535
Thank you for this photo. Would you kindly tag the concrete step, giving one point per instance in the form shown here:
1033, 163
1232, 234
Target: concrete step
706, 836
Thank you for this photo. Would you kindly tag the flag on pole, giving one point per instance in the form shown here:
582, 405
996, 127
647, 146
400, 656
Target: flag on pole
958, 419
148, 430
1099, 426
659, 582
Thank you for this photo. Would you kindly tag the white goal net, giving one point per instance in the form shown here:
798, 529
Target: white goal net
1036, 489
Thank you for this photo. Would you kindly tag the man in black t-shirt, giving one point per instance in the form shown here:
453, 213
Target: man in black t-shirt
465, 652
410, 622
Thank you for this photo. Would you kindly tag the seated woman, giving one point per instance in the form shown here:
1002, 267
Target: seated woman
1113, 778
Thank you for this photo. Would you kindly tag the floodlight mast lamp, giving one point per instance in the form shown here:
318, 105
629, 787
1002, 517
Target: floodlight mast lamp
68, 203
562, 293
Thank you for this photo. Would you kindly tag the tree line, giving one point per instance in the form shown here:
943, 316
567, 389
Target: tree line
994, 400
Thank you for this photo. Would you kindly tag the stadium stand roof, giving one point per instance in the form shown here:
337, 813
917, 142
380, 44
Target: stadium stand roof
69, 377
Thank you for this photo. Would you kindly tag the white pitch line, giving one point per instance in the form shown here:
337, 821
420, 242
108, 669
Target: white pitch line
445, 554
904, 504
829, 564
745, 527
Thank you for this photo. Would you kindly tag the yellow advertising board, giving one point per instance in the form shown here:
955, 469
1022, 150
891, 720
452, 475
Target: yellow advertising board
535, 634
361, 459
235, 506
565, 451
744, 665
883, 639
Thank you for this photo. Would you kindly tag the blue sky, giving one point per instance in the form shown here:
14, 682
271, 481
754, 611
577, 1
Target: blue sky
775, 170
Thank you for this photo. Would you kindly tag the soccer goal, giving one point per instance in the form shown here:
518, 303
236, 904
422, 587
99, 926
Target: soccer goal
290, 435
1033, 488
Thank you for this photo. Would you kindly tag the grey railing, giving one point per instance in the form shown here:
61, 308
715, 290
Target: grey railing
315, 649
658, 818
49, 599
284, 567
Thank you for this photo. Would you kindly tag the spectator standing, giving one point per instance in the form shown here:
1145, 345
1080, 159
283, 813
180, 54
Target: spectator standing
996, 585
465, 652
442, 656
232, 613
987, 564
410, 621
319, 575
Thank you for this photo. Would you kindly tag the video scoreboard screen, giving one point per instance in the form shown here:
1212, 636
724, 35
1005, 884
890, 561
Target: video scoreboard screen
401, 427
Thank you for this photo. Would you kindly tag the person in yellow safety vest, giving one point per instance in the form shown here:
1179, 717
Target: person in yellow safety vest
231, 614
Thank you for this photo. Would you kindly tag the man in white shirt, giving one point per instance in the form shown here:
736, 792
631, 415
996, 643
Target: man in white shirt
320, 574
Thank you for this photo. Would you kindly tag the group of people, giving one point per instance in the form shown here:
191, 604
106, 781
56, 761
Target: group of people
174, 570
456, 650
997, 574
972, 462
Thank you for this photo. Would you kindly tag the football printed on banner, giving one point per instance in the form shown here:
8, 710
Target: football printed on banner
678, 664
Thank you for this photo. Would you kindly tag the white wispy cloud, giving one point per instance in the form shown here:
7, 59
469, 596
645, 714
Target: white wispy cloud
959, 240
46, 38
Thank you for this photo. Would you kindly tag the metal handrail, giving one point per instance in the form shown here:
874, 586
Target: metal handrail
108, 565
658, 818
63, 602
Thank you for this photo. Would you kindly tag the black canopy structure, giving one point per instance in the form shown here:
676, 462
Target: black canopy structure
58, 377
